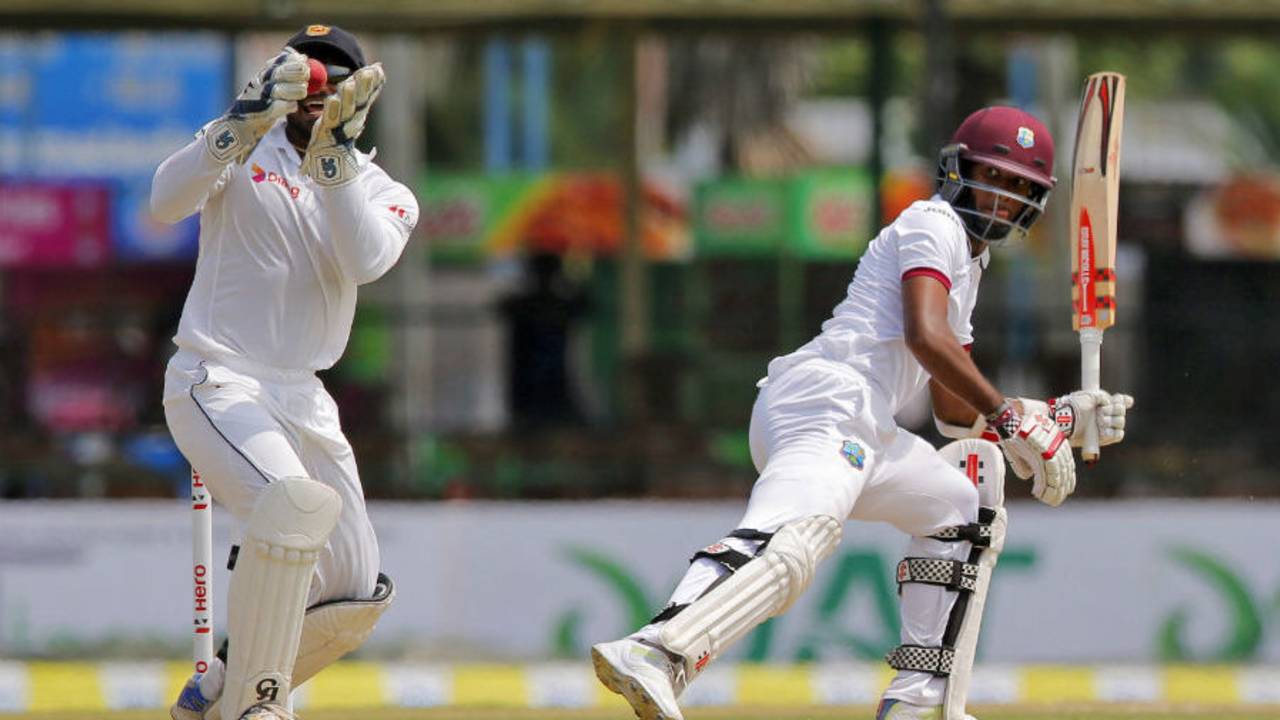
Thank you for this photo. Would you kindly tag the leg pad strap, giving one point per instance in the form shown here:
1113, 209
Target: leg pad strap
936, 661
955, 575
979, 533
724, 555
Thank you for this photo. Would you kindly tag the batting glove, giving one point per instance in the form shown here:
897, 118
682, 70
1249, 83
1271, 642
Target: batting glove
331, 158
269, 96
1075, 411
1037, 450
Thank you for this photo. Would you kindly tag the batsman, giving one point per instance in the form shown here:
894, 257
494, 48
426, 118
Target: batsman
292, 219
824, 440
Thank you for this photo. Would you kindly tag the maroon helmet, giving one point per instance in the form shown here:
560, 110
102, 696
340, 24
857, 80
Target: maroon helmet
1012, 141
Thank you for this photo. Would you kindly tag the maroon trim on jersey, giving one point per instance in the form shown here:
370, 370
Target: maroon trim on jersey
968, 348
928, 272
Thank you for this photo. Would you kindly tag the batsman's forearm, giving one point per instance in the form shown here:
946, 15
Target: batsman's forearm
948, 363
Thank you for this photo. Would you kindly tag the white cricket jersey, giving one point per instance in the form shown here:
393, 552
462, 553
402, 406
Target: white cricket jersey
280, 257
866, 330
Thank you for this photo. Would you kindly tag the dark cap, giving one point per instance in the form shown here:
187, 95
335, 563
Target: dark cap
326, 41
1010, 139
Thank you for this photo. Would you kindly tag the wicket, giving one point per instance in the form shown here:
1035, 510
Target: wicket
201, 573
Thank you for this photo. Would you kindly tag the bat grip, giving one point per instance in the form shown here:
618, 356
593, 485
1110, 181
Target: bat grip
1090, 379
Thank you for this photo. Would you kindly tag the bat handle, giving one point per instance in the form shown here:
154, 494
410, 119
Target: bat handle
1090, 379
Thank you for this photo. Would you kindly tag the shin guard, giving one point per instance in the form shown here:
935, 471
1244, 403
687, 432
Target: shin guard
287, 530
983, 463
330, 630
764, 586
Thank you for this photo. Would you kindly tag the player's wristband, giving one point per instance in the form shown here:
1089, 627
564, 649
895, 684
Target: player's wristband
1004, 420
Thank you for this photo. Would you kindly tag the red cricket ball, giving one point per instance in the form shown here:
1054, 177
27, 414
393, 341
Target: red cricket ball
318, 76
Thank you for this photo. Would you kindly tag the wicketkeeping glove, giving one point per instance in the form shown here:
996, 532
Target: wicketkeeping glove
273, 93
1037, 449
331, 158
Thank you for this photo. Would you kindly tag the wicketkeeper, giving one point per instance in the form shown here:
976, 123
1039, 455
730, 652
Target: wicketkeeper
292, 219
825, 442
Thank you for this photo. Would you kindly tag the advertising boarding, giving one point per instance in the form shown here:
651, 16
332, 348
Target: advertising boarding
1091, 582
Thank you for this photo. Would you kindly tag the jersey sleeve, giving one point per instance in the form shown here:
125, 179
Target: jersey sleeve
371, 220
186, 180
927, 245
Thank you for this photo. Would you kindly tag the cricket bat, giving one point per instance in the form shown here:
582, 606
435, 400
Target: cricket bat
1095, 196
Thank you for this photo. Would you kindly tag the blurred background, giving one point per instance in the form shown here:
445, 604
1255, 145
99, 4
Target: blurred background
627, 209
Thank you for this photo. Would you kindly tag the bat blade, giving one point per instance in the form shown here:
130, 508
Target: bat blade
1095, 199
1095, 195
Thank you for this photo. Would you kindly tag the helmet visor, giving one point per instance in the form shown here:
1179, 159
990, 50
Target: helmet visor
1000, 215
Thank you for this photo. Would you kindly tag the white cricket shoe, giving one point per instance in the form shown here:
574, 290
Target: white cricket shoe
267, 711
643, 674
891, 709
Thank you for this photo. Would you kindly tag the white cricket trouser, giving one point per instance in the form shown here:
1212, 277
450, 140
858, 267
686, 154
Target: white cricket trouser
799, 426
242, 428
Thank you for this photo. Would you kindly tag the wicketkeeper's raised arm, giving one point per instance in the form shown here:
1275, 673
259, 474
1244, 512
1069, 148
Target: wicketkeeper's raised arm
369, 227
186, 180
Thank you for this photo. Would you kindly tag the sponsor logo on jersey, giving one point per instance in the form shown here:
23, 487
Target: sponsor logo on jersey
854, 453
260, 176
402, 212
1026, 138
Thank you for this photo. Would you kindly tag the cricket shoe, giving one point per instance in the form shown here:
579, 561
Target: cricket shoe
891, 709
191, 703
643, 674
267, 711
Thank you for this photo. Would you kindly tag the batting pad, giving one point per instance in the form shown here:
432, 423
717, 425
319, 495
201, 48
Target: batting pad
983, 462
764, 587
335, 628
268, 593
330, 630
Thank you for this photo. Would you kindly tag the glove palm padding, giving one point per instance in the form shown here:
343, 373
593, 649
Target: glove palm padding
269, 96
331, 159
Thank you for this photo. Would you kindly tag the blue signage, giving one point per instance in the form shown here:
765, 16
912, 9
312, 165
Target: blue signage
111, 106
